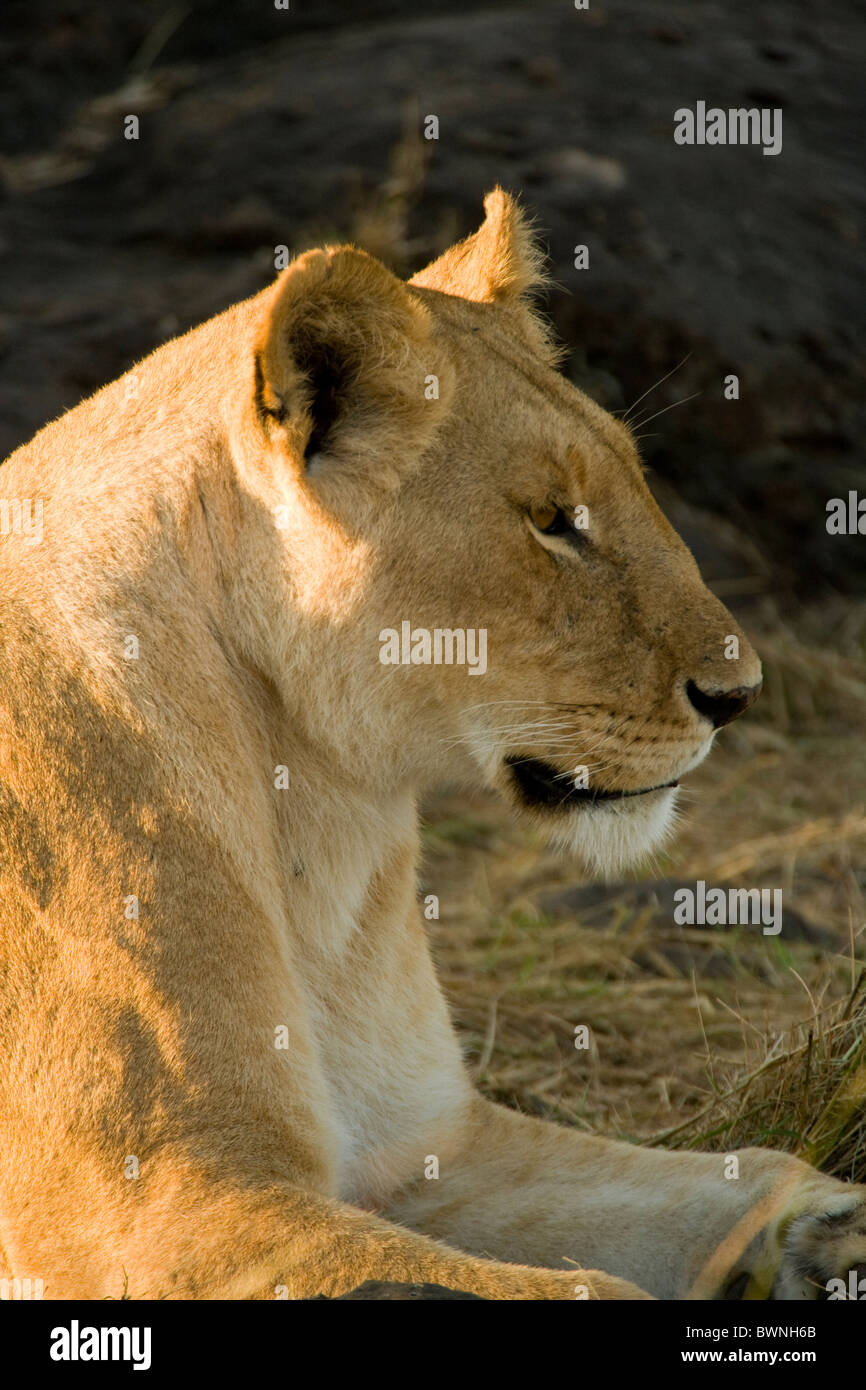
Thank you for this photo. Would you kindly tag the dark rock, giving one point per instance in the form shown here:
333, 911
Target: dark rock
262, 126
378, 1291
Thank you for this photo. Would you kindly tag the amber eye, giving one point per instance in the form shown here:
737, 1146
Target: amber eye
550, 520
545, 517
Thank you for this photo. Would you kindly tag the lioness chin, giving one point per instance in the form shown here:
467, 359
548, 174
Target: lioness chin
227, 1059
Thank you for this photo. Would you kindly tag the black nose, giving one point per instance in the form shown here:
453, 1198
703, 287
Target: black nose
721, 709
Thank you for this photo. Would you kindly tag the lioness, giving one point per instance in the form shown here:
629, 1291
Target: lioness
226, 1058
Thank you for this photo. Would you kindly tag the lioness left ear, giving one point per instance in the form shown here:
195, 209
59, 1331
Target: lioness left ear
342, 363
499, 264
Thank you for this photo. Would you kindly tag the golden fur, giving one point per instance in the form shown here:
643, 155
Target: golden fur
228, 529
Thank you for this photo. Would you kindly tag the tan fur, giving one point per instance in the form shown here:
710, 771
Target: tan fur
179, 509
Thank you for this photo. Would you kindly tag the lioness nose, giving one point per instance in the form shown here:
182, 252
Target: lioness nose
721, 708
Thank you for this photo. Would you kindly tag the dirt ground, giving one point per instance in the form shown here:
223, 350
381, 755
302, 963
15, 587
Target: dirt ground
261, 127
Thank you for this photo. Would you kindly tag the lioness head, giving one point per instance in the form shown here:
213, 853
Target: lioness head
477, 581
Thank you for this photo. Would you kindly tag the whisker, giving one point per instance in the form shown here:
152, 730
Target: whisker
561, 732
640, 423
650, 389
489, 704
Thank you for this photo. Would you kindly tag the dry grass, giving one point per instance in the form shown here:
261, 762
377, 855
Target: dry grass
809, 1094
697, 1036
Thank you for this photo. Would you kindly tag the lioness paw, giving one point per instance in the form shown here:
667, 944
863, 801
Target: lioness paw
823, 1249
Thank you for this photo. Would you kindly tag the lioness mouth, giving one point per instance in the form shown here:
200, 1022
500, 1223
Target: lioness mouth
541, 785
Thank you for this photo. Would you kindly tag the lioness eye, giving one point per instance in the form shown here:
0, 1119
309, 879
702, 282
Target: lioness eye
550, 520
545, 518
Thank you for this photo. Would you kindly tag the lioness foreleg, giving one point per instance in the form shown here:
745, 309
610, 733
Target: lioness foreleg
293, 1243
681, 1225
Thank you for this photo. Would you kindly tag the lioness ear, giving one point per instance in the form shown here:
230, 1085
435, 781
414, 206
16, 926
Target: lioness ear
499, 263
343, 364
